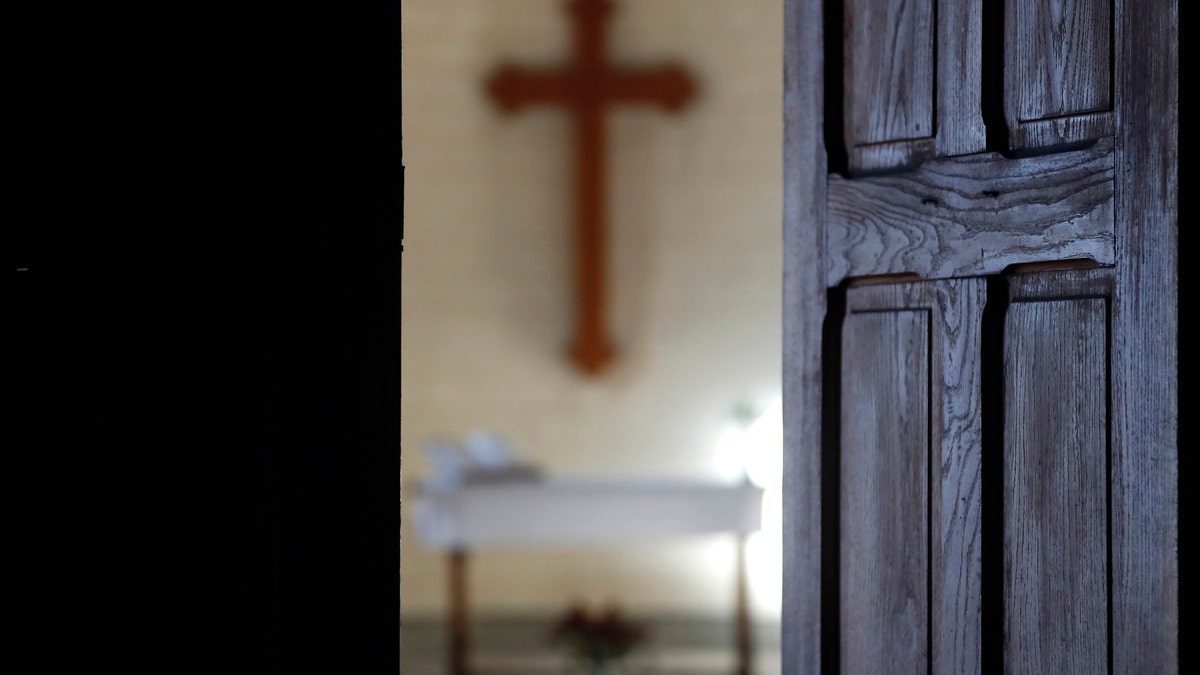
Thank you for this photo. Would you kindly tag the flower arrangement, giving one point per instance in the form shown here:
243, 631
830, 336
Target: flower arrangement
597, 637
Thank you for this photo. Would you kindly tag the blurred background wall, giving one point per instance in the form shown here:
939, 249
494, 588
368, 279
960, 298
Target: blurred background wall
694, 231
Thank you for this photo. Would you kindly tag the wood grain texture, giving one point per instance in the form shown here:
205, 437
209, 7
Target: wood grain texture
804, 306
1056, 445
884, 592
956, 481
973, 215
1146, 454
1058, 65
889, 83
954, 310
960, 128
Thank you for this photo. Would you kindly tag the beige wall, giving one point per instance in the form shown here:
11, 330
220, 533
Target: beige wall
695, 213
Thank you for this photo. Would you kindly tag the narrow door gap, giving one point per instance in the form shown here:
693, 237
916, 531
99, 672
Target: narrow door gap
831, 371
835, 135
992, 78
992, 476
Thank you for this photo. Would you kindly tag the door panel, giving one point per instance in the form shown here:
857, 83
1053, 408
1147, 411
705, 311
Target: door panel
910, 477
1057, 72
884, 493
1056, 458
911, 82
889, 83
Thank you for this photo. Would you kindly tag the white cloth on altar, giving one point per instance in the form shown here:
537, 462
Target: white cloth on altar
573, 511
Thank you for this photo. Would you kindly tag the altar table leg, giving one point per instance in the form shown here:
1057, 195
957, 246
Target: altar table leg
458, 613
745, 646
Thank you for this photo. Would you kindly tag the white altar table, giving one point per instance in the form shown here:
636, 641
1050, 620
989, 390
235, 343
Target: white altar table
552, 512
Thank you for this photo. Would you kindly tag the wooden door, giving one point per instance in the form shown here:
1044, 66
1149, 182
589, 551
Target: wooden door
980, 320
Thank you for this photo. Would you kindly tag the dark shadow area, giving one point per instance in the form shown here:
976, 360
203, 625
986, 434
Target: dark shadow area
206, 287
992, 480
831, 368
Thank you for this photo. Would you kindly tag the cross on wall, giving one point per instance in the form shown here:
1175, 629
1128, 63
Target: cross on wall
587, 88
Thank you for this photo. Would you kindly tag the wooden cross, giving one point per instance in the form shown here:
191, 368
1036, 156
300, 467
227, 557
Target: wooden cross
587, 87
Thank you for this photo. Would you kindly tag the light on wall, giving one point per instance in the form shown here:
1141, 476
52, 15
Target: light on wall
751, 444
750, 448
